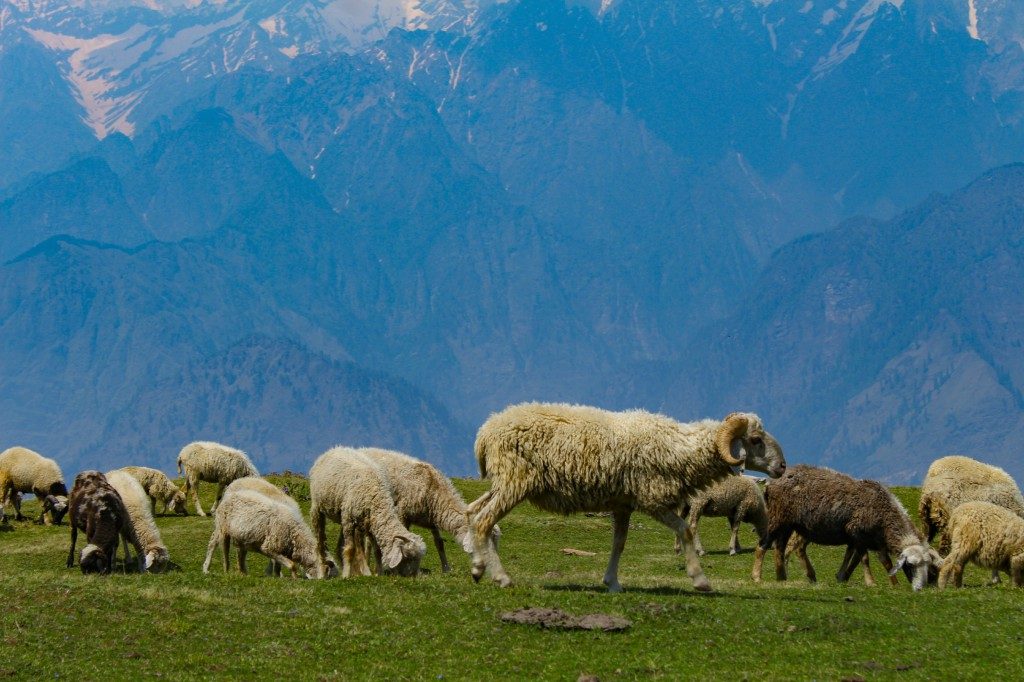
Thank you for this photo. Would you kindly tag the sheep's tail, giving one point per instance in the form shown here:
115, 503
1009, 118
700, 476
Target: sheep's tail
481, 456
180, 472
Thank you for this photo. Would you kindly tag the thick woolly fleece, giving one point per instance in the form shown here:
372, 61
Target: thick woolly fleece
213, 463
355, 491
143, 533
739, 498
988, 535
25, 471
159, 487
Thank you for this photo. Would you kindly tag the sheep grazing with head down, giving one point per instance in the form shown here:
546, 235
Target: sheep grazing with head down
258, 523
95, 508
988, 535
425, 497
213, 463
830, 508
356, 492
159, 487
25, 471
141, 532
570, 458
738, 498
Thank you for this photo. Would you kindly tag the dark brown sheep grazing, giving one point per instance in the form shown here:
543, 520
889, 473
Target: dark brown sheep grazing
96, 508
830, 508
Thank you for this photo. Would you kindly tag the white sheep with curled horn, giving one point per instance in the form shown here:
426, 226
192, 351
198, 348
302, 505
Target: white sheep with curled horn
571, 458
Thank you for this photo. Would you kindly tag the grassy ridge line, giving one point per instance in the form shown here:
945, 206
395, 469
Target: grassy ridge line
186, 625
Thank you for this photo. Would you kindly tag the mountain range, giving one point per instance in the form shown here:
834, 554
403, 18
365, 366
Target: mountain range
288, 225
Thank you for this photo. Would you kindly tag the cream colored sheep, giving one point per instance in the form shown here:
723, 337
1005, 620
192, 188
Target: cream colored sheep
213, 463
159, 487
255, 522
425, 497
141, 529
569, 458
355, 491
988, 535
738, 498
25, 471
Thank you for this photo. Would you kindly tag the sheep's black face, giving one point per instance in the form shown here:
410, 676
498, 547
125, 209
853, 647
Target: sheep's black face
57, 506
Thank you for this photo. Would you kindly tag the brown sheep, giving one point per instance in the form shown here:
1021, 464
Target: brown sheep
96, 508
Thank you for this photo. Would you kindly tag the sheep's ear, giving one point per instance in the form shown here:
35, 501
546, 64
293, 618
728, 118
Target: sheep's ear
467, 541
899, 565
937, 559
395, 555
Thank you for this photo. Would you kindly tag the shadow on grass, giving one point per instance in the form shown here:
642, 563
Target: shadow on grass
665, 591
725, 552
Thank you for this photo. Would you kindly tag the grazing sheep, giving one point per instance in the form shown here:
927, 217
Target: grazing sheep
159, 487
25, 471
213, 463
568, 458
830, 508
355, 491
798, 545
256, 522
988, 535
96, 508
265, 487
425, 497
142, 531
738, 498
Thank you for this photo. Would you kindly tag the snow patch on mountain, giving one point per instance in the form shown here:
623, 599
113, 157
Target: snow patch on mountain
851, 36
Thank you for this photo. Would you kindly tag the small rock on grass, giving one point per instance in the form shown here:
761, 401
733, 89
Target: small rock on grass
577, 552
560, 620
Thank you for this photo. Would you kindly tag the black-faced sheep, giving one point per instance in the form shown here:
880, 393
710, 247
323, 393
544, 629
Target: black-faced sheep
569, 458
25, 471
95, 508
213, 463
425, 497
830, 508
355, 491
142, 532
255, 522
988, 535
159, 487
738, 498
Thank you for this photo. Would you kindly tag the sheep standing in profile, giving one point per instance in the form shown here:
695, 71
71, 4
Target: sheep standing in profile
988, 535
738, 498
213, 463
570, 458
96, 508
830, 508
425, 497
141, 530
355, 491
159, 487
258, 523
25, 471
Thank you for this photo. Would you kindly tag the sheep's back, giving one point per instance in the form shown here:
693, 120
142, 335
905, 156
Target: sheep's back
216, 463
27, 468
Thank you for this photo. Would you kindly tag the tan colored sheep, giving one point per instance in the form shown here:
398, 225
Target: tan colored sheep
159, 487
25, 471
571, 458
738, 498
988, 535
213, 463
143, 533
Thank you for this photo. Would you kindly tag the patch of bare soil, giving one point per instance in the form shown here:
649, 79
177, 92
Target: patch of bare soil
560, 620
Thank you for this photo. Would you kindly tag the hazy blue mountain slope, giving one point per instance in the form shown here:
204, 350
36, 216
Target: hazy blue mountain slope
878, 347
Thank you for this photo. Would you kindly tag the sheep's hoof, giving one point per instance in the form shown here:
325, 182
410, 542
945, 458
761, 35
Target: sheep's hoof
732, 552
614, 588
503, 581
702, 585
701, 552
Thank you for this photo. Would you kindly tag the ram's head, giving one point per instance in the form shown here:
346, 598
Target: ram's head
743, 443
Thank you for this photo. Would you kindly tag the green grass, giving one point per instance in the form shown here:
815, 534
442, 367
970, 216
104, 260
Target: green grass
57, 622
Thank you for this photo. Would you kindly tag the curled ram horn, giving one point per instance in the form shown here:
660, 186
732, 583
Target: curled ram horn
734, 426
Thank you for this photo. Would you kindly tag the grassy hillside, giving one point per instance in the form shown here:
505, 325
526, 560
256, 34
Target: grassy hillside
57, 622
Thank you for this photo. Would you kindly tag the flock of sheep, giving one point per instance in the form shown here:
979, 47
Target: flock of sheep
562, 458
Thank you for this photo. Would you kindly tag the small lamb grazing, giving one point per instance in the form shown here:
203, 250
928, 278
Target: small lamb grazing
988, 535
25, 471
213, 463
96, 508
830, 508
256, 522
355, 491
571, 458
425, 497
159, 487
738, 498
142, 531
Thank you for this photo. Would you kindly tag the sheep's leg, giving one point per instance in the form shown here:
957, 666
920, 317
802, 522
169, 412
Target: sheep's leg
191, 484
994, 580
799, 546
496, 506
226, 546
439, 543
684, 512
282, 560
886, 560
127, 552
952, 567
697, 546
378, 559
620, 520
850, 560
18, 516
74, 539
242, 551
319, 521
762, 547
781, 543
869, 578
342, 552
4, 495
1017, 570
693, 569
473, 507
734, 541
210, 547
216, 499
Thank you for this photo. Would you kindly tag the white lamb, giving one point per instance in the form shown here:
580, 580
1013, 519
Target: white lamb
355, 491
425, 497
255, 522
159, 487
988, 535
142, 530
213, 463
